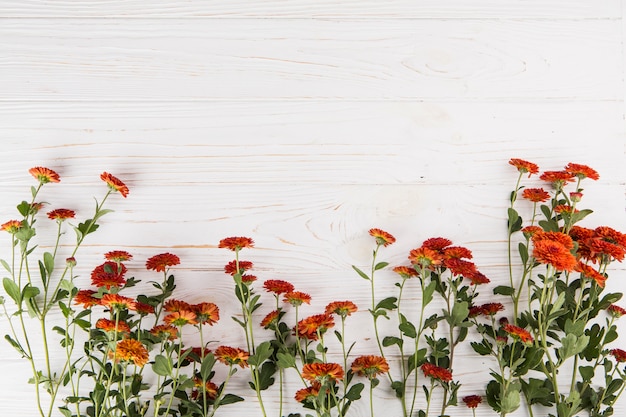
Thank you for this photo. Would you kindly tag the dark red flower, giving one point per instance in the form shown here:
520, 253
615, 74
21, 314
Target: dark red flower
162, 261
472, 401
61, 214
582, 171
278, 286
236, 243
109, 274
536, 195
436, 372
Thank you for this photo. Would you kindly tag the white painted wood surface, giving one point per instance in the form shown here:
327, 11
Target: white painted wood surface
303, 124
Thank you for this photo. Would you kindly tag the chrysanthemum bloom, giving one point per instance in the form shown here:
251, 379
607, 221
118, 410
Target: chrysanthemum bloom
232, 356
181, 318
436, 372
162, 261
460, 267
86, 298
61, 214
582, 171
114, 183
118, 256
558, 237
70, 262
382, 238
271, 319
312, 326
564, 209
297, 298
518, 333
589, 272
231, 267
425, 257
457, 252
437, 243
165, 331
555, 254
236, 243
491, 309
12, 226
530, 231
370, 366
207, 313
477, 278
502, 340
210, 389
619, 355
44, 175
575, 196
35, 207
558, 179
308, 394
110, 326
616, 311
472, 401
117, 302
322, 372
143, 308
524, 166
278, 286
131, 350
603, 251
109, 274
608, 234
405, 271
173, 305
475, 311
536, 195
341, 308
248, 279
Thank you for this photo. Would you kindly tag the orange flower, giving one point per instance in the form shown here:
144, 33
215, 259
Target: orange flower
619, 355
173, 305
382, 238
109, 326
108, 275
207, 313
553, 253
131, 350
232, 356
341, 308
322, 372
436, 372
558, 237
86, 298
437, 243
477, 278
370, 366
44, 175
518, 333
313, 326
558, 179
616, 311
530, 231
180, 318
118, 256
162, 261
491, 309
425, 257
143, 308
61, 214
231, 267
587, 271
582, 171
457, 252
405, 271
165, 331
460, 267
472, 401
114, 183
297, 298
271, 319
536, 195
236, 243
117, 302
308, 394
524, 166
564, 209
278, 286
12, 226
210, 388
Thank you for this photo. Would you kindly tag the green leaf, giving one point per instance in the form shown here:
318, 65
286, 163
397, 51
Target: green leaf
230, 399
16, 345
266, 375
572, 345
429, 290
24, 208
5, 265
207, 366
514, 221
460, 311
392, 340
511, 400
523, 252
354, 393
361, 273
536, 391
162, 366
65, 411
579, 215
503, 290
586, 372
408, 329
12, 290
262, 353
388, 303
285, 360
380, 265
48, 261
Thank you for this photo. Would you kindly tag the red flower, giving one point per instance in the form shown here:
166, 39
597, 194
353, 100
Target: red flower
436, 243
370, 366
313, 326
297, 298
405, 271
425, 257
530, 231
477, 278
117, 302
61, 214
86, 298
231, 267
582, 171
536, 195
382, 238
131, 350
518, 333
236, 243
553, 253
558, 237
322, 372
491, 309
341, 308
44, 175
460, 267
270, 319
436, 372
12, 226
308, 394
143, 308
278, 286
165, 331
110, 326
181, 318
616, 311
210, 389
173, 305
588, 272
118, 256
619, 355
162, 261
108, 275
557, 178
457, 252
207, 313
114, 183
247, 279
232, 356
472, 401
524, 166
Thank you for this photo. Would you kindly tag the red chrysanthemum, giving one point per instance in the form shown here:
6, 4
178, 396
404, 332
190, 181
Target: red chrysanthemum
564, 209
472, 401
181, 318
370, 366
582, 171
425, 257
231, 267
143, 308
341, 308
12, 226
405, 271
131, 350
524, 166
308, 394
206, 313
457, 252
86, 298
460, 267
558, 237
61, 214
165, 331
232, 356
616, 311
491, 309
312, 326
589, 272
555, 254
608, 234
477, 278
162, 262
436, 372
115, 183
110, 326
536, 195
248, 279
278, 286
437, 243
271, 319
173, 305
297, 298
322, 372
382, 238
530, 231
109, 274
44, 175
118, 256
518, 333
236, 243
210, 389
558, 179
619, 355
117, 302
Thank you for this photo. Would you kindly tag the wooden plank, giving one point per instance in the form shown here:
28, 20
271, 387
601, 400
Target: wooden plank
179, 59
551, 9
